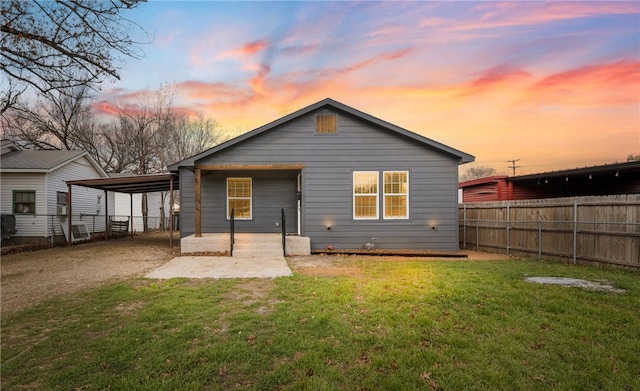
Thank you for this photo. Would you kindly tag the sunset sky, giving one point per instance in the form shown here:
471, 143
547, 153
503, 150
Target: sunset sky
556, 85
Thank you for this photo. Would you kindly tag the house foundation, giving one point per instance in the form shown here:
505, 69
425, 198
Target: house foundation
220, 243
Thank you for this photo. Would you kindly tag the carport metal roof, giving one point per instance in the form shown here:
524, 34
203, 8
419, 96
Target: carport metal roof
132, 184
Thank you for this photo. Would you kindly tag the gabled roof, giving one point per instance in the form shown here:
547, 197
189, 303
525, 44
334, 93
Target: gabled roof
328, 102
42, 161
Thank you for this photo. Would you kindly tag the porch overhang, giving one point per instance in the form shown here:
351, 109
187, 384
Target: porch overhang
199, 168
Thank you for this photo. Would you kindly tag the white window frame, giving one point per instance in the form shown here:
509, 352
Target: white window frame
240, 198
384, 198
355, 195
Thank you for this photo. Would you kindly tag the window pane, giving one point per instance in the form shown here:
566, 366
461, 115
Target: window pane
365, 206
241, 207
395, 206
366, 183
239, 197
396, 185
62, 198
24, 202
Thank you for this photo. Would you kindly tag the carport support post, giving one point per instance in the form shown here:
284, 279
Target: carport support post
69, 214
131, 213
198, 210
171, 212
106, 216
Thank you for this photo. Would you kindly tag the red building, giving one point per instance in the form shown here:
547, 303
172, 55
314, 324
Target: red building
610, 179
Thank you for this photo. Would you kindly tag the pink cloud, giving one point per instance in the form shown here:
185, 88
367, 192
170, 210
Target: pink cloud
510, 14
247, 49
601, 84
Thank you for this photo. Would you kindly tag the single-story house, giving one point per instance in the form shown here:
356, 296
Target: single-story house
606, 179
341, 177
33, 189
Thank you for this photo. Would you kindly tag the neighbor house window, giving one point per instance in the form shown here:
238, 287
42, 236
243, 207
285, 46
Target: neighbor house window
326, 124
61, 198
24, 202
61, 203
365, 195
239, 194
396, 194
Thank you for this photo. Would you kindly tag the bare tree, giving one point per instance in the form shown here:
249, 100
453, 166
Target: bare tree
56, 45
633, 158
55, 120
476, 173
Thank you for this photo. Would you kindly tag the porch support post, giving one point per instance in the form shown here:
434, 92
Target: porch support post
69, 214
198, 210
171, 212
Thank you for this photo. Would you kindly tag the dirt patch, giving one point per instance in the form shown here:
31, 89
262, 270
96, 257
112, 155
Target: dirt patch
29, 278
323, 265
601, 285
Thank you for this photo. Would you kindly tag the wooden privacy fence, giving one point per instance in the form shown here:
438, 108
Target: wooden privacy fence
600, 229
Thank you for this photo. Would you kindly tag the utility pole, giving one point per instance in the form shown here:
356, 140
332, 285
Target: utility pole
513, 165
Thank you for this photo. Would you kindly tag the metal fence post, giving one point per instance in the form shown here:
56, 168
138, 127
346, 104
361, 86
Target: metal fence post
477, 235
539, 239
508, 228
52, 230
575, 230
464, 226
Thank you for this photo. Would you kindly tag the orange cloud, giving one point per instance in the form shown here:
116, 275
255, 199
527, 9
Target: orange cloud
246, 49
601, 84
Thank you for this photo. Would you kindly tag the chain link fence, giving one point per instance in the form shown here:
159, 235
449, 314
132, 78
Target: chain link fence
43, 229
582, 230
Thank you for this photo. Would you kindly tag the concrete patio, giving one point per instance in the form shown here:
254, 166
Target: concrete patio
254, 256
223, 267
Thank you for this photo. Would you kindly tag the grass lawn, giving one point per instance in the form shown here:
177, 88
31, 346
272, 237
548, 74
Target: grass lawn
392, 325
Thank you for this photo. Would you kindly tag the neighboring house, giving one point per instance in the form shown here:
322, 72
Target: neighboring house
154, 202
33, 189
343, 178
608, 179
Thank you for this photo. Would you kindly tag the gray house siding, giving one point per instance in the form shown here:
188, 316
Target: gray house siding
272, 192
327, 179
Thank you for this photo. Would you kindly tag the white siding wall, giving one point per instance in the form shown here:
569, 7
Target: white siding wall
26, 225
123, 209
84, 199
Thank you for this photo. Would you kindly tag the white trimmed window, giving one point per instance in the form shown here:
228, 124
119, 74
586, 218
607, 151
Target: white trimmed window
239, 195
396, 194
365, 195
24, 202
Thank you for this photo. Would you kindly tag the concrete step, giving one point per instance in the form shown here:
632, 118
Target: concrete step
257, 238
257, 253
257, 245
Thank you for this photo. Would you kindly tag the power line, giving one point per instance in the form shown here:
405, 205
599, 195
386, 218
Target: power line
513, 165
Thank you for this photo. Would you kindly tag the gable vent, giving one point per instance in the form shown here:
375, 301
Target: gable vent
326, 124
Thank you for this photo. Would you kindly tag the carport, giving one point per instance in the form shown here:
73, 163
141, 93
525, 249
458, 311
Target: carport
134, 184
